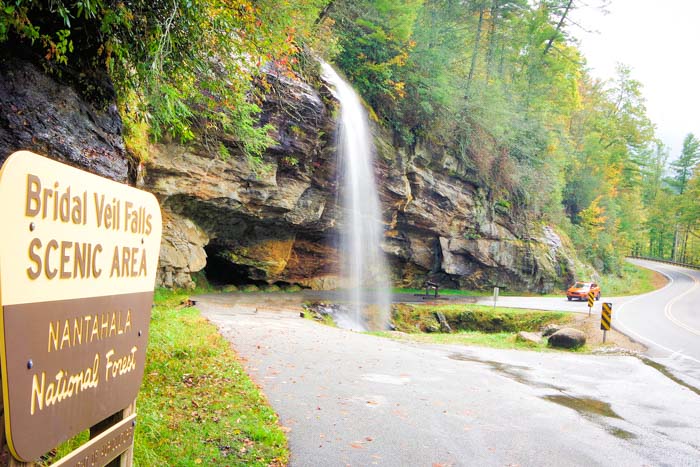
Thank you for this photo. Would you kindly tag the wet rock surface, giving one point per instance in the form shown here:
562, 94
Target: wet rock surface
42, 115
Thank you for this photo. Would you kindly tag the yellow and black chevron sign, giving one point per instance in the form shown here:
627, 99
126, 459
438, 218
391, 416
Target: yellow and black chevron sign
591, 297
606, 317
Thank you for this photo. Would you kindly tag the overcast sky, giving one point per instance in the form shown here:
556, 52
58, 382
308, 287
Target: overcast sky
660, 42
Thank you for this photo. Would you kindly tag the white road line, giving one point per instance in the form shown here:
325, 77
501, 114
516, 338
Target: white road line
669, 305
618, 325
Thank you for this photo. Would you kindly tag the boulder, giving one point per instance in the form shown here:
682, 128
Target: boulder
567, 338
550, 329
444, 325
531, 337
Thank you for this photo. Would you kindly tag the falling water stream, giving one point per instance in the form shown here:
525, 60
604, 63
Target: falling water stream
364, 269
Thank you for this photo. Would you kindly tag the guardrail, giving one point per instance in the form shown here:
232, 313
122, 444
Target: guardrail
661, 260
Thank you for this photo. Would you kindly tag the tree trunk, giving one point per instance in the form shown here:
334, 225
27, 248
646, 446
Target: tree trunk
476, 49
674, 250
684, 250
492, 40
559, 25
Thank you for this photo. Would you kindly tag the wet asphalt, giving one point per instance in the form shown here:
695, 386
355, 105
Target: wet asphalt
348, 398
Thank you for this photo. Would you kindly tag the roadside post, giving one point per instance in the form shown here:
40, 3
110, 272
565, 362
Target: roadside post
591, 297
495, 296
606, 318
78, 261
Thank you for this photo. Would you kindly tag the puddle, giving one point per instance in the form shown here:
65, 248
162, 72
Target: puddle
671, 424
514, 372
584, 405
665, 371
386, 379
620, 433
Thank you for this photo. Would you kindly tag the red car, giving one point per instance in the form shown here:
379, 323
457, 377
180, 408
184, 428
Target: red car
580, 290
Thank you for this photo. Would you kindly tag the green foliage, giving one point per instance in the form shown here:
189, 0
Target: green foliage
422, 318
196, 405
498, 84
631, 280
182, 68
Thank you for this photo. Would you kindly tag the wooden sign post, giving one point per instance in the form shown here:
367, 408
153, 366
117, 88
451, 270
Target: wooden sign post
78, 257
591, 297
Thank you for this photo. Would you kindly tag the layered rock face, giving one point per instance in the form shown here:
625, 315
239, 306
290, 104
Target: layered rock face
277, 221
264, 222
446, 229
39, 114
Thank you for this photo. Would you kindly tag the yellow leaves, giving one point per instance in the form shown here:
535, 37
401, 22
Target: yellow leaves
613, 177
593, 217
399, 60
399, 88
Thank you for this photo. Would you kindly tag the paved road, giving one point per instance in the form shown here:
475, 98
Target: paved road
360, 400
552, 303
667, 321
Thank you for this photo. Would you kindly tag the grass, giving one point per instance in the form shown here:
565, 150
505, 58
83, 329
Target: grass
473, 325
468, 317
197, 406
635, 280
498, 340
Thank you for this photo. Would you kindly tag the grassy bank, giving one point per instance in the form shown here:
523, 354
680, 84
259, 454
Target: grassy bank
466, 317
470, 324
197, 406
635, 280
497, 340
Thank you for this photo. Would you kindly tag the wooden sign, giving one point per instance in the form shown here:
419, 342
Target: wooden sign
78, 258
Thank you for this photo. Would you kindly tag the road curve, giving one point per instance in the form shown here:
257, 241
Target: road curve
667, 320
347, 398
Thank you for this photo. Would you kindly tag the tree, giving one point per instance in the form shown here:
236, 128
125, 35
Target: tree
684, 165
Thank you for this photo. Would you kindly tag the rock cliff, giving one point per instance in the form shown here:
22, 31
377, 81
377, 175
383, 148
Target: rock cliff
276, 221
40, 114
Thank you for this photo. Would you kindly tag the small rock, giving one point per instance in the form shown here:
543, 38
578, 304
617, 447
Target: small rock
567, 338
230, 288
444, 325
550, 329
533, 337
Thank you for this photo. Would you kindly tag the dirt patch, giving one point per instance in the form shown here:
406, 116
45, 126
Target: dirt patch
658, 280
590, 325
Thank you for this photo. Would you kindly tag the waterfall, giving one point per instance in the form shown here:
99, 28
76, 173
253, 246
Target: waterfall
364, 269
